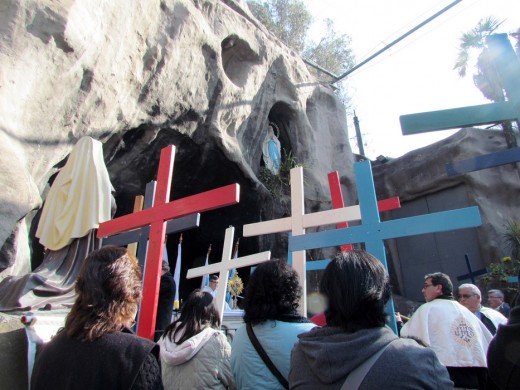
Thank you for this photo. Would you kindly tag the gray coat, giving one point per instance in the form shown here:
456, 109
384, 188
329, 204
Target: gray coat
199, 363
325, 356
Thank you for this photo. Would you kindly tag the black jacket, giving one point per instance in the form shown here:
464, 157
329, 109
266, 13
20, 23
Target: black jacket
113, 361
504, 353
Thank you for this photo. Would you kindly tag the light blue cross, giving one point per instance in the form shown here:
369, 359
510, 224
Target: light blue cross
373, 232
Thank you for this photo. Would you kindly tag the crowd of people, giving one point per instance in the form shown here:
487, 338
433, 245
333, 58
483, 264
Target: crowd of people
450, 341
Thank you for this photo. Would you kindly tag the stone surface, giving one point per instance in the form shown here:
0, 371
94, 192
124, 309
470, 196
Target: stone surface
203, 75
206, 77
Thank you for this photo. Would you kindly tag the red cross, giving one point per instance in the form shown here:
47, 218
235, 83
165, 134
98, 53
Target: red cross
337, 203
156, 217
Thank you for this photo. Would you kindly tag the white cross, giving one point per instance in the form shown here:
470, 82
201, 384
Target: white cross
298, 222
223, 267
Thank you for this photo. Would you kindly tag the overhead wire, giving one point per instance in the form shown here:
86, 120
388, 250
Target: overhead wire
395, 41
415, 38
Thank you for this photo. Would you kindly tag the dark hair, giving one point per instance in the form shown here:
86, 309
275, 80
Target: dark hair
109, 289
212, 278
273, 292
357, 287
442, 279
197, 312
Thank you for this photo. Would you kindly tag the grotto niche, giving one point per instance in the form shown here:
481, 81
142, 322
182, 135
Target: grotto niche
281, 120
132, 161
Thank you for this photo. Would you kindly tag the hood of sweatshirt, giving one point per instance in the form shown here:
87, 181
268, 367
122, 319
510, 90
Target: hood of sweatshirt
332, 354
175, 354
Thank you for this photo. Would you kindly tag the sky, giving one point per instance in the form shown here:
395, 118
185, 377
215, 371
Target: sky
415, 75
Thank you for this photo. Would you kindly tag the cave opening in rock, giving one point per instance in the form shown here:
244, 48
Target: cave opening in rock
238, 59
197, 168
132, 160
281, 117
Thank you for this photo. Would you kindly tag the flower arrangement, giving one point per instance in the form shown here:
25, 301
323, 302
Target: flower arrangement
236, 286
501, 271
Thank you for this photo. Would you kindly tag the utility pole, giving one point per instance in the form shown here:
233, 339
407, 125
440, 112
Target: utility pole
358, 136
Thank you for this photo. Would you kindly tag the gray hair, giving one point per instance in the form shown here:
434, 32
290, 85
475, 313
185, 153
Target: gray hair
474, 289
498, 293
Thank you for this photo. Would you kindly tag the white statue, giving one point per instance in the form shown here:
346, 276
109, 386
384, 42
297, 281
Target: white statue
271, 150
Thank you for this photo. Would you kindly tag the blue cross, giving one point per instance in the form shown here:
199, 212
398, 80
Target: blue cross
508, 68
478, 163
472, 274
373, 232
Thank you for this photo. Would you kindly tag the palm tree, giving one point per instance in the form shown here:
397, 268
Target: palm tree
486, 78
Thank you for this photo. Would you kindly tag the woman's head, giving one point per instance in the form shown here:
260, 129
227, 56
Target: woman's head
273, 291
197, 313
108, 292
357, 288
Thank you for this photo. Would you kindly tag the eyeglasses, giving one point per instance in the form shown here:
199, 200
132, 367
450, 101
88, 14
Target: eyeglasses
427, 285
466, 296
492, 297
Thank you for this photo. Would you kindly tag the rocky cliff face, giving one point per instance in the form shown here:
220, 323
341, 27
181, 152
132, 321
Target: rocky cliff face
203, 75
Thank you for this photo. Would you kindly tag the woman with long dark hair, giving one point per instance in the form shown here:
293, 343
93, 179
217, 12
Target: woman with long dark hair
97, 349
271, 314
194, 352
355, 349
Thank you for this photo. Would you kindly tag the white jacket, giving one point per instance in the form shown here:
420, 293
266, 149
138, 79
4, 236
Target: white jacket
201, 362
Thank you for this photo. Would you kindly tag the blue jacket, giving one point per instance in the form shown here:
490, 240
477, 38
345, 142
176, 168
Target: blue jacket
277, 338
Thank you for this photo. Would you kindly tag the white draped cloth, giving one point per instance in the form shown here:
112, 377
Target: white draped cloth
495, 316
79, 199
455, 334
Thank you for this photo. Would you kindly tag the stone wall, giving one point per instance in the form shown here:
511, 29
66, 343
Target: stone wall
203, 75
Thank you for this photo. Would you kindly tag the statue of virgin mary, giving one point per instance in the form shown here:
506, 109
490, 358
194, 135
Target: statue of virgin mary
271, 150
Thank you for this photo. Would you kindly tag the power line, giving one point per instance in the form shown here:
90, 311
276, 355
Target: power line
335, 80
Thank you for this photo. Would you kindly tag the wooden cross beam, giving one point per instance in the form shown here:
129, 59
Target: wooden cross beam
138, 206
478, 163
299, 221
337, 202
157, 216
297, 224
452, 118
139, 237
373, 232
472, 274
223, 267
508, 68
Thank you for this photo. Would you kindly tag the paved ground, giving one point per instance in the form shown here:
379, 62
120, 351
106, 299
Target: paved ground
13, 356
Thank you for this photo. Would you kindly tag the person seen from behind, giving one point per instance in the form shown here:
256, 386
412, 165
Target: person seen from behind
97, 349
356, 350
194, 352
272, 323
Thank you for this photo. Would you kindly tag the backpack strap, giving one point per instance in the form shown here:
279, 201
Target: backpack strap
267, 361
356, 376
